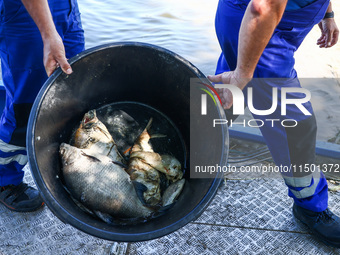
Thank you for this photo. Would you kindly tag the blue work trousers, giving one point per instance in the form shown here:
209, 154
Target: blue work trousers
275, 69
23, 73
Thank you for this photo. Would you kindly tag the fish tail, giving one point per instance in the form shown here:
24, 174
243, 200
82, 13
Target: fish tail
154, 135
140, 188
149, 124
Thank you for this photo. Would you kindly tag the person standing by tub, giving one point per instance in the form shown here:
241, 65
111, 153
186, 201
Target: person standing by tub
258, 40
34, 36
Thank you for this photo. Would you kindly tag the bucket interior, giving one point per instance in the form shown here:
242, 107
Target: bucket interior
142, 75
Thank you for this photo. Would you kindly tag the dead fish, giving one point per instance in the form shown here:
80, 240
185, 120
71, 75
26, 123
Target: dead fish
142, 142
144, 165
142, 150
166, 164
145, 178
123, 128
172, 192
93, 135
171, 167
99, 184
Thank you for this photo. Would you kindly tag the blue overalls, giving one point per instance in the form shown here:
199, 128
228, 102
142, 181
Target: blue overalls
23, 73
288, 146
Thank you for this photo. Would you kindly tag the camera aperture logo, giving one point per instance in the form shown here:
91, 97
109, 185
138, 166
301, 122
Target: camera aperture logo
239, 103
204, 98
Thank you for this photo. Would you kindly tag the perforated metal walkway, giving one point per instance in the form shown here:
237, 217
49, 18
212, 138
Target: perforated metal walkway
246, 217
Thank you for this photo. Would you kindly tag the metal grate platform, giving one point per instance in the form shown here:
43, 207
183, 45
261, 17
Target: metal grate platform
246, 217
42, 233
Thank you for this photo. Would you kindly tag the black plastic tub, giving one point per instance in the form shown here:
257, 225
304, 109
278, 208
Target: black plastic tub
112, 73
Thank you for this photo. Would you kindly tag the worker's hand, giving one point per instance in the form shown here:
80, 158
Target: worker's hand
228, 78
329, 33
54, 55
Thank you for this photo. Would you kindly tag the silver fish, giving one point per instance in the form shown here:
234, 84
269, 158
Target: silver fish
166, 164
93, 135
172, 192
144, 167
145, 178
99, 184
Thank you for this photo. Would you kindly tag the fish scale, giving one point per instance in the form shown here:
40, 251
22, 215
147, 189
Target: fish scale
100, 184
93, 134
95, 174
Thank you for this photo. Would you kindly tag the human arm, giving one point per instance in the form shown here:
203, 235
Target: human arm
258, 24
329, 31
54, 51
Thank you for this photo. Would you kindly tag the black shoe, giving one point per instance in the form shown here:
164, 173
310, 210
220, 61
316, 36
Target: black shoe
20, 198
325, 225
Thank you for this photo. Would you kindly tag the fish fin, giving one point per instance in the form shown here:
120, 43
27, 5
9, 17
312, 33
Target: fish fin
154, 135
119, 164
164, 182
92, 158
164, 209
130, 172
140, 189
157, 136
149, 124
176, 189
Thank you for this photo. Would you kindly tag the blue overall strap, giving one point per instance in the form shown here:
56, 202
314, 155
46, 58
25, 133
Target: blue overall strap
277, 61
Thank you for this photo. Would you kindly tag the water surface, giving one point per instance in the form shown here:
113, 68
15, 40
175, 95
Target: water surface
187, 28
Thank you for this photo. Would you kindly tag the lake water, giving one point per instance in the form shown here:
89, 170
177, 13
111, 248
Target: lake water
187, 28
